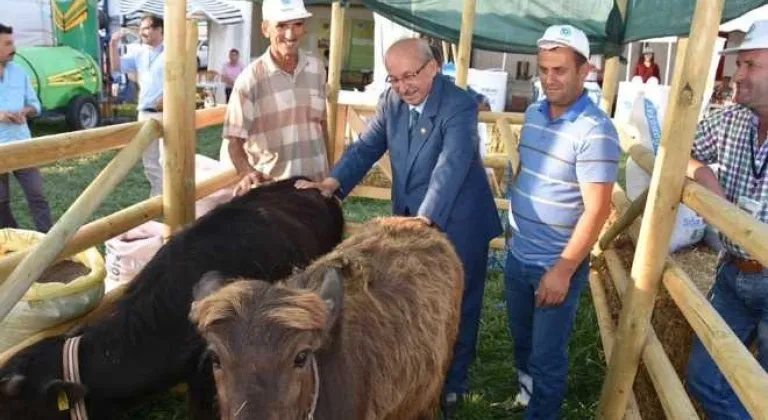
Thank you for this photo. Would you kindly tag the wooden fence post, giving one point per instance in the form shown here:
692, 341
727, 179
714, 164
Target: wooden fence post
465, 43
178, 166
661, 209
611, 73
334, 78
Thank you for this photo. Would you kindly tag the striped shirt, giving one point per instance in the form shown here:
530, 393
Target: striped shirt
16, 92
280, 116
580, 146
728, 138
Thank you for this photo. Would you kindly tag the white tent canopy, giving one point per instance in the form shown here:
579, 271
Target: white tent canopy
219, 12
743, 22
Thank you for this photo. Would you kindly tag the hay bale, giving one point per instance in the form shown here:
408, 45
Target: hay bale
671, 327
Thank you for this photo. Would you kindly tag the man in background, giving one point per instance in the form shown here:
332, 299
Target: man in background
18, 102
149, 65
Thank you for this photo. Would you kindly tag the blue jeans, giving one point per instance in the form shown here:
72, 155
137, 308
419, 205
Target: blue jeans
541, 335
742, 300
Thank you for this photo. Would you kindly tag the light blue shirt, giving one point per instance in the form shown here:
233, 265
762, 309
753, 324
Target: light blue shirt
149, 65
16, 92
580, 146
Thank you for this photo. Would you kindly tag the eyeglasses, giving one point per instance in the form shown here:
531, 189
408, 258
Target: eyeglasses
407, 78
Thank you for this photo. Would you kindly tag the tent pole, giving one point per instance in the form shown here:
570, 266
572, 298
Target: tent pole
661, 209
465, 43
611, 75
669, 61
334, 77
446, 51
177, 120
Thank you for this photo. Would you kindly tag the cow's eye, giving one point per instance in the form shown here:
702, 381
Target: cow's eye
301, 359
215, 361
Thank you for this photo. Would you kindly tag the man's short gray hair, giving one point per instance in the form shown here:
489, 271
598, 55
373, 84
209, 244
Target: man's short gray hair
421, 45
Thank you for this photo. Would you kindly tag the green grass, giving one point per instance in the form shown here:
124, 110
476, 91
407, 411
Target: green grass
493, 377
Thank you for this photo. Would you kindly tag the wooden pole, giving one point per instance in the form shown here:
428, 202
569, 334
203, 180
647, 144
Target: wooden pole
465, 43
189, 131
748, 379
669, 389
674, 152
98, 231
446, 51
634, 211
513, 154
607, 331
729, 219
611, 71
178, 165
33, 265
50, 149
512, 118
334, 78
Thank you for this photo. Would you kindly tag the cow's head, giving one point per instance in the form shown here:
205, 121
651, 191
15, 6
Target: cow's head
263, 341
31, 387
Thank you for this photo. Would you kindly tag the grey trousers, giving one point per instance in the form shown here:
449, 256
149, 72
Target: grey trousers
32, 183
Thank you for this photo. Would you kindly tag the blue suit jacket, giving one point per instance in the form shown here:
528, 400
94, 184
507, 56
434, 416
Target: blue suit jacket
440, 175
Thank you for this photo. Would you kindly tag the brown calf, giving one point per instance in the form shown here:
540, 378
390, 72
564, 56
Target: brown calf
366, 332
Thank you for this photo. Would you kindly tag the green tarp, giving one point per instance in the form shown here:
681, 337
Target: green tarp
515, 25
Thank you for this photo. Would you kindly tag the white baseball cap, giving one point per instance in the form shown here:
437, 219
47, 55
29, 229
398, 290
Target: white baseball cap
756, 38
283, 10
557, 36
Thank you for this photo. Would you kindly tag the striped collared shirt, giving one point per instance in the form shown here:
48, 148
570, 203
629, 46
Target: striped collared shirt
280, 116
580, 146
728, 138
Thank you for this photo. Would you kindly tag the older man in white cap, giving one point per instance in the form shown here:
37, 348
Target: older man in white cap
275, 120
734, 139
569, 158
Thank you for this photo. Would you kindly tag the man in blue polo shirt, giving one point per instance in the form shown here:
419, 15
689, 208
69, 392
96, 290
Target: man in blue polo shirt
18, 101
149, 65
569, 155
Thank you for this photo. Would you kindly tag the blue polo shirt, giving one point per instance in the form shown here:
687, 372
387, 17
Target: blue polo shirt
149, 65
581, 146
16, 92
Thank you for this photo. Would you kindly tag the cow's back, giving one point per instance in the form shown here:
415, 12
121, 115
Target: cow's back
403, 291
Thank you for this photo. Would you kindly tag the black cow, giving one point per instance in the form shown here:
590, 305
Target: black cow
146, 343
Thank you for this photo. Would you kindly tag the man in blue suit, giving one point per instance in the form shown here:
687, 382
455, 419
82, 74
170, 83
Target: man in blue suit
429, 127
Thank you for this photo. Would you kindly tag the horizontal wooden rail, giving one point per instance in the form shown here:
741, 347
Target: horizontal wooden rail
607, 331
45, 252
743, 372
48, 149
98, 231
736, 224
484, 116
53, 148
210, 116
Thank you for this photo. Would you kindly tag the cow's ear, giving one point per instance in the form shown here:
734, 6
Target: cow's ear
10, 386
332, 292
65, 392
209, 284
